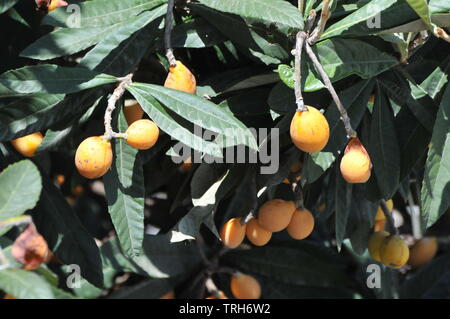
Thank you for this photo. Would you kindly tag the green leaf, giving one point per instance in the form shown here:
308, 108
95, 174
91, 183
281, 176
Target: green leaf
201, 112
421, 8
437, 80
286, 74
277, 12
357, 22
120, 51
52, 79
101, 12
5, 5
66, 236
438, 6
24, 284
124, 187
316, 164
196, 33
435, 196
383, 147
168, 124
289, 265
67, 41
425, 282
20, 188
340, 59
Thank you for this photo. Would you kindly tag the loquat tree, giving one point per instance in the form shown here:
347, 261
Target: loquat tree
224, 149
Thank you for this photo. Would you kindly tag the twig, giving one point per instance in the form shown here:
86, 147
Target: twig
299, 203
168, 33
117, 94
300, 40
310, 21
389, 218
344, 116
301, 5
324, 16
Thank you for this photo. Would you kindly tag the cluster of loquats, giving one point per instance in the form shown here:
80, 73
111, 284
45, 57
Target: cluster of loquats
273, 216
310, 132
391, 250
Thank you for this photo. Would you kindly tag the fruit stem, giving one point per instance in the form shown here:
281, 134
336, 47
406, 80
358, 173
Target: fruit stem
301, 37
299, 203
301, 5
389, 218
344, 116
168, 33
324, 16
117, 94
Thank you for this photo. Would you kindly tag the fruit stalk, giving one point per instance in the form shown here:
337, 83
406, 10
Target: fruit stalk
344, 116
117, 94
301, 37
301, 5
168, 33
389, 218
324, 16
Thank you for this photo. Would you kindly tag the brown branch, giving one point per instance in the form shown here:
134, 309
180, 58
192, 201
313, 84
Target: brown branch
344, 116
324, 16
299, 43
117, 94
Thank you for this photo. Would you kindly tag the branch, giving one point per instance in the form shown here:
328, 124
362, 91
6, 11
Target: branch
324, 16
168, 33
344, 116
301, 5
389, 218
300, 40
117, 94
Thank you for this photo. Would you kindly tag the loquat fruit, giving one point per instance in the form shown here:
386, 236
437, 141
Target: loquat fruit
380, 219
93, 157
355, 164
168, 295
181, 78
275, 215
142, 134
28, 144
309, 130
55, 4
374, 244
301, 224
30, 248
133, 112
422, 251
257, 235
394, 252
245, 287
232, 233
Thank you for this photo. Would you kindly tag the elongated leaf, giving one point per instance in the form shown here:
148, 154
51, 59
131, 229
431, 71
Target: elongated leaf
421, 8
438, 6
440, 19
371, 18
201, 112
341, 58
52, 79
168, 124
288, 265
124, 187
122, 50
100, 12
425, 282
249, 38
437, 80
24, 284
67, 41
435, 195
5, 5
65, 235
384, 147
20, 188
271, 11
